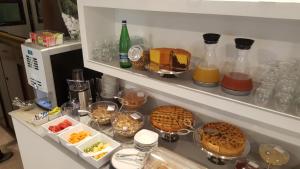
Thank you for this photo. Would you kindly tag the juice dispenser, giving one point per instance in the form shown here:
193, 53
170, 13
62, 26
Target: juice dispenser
238, 81
207, 72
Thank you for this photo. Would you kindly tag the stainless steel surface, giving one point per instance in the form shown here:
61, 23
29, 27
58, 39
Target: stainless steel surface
83, 97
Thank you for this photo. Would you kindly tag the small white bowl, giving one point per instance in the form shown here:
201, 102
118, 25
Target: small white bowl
56, 121
63, 137
102, 138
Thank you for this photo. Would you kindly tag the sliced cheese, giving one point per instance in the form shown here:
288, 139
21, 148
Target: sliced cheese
155, 56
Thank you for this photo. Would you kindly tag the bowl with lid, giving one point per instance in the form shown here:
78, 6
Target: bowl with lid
127, 123
132, 99
101, 112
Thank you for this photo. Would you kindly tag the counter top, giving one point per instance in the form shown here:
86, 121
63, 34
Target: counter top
184, 146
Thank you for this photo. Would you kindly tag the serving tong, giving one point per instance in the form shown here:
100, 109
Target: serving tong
138, 158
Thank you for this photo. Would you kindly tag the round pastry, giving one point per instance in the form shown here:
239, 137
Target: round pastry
171, 118
222, 138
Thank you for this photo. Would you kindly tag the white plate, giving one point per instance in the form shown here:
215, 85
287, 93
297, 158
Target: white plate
118, 164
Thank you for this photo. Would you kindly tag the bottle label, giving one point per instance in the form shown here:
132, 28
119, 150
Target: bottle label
124, 58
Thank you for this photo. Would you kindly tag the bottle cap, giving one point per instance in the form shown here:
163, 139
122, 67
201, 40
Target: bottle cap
124, 21
211, 38
242, 43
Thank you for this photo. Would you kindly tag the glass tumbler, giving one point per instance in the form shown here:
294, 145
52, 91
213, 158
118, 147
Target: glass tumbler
262, 96
282, 101
71, 109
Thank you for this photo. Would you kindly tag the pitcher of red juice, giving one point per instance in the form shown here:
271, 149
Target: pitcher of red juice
238, 80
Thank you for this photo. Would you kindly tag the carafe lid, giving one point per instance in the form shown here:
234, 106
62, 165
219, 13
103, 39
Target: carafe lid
211, 38
243, 43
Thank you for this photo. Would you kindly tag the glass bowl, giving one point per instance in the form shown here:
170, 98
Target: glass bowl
127, 123
102, 111
132, 99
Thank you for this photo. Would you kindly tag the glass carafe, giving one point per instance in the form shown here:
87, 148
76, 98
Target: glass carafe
238, 81
207, 71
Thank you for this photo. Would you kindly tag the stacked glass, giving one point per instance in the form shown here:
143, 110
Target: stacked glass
280, 82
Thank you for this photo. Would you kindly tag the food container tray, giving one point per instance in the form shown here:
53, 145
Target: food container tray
56, 121
102, 138
161, 157
47, 38
63, 137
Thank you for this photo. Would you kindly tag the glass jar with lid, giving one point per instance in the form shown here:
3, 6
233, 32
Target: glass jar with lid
238, 81
207, 71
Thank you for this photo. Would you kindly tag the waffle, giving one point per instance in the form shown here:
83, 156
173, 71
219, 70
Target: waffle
171, 118
223, 138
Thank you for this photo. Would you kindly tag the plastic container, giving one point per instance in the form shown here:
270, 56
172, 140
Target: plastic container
63, 137
127, 123
53, 135
132, 99
102, 138
47, 38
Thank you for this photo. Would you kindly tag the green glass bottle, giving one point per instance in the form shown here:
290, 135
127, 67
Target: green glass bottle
124, 46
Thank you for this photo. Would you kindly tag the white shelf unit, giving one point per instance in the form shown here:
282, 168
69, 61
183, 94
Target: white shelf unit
180, 23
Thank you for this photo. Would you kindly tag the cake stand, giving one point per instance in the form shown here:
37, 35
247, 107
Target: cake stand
216, 158
174, 136
166, 73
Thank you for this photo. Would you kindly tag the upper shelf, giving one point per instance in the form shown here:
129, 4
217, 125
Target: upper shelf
251, 8
183, 87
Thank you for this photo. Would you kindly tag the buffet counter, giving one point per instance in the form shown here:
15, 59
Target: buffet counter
40, 151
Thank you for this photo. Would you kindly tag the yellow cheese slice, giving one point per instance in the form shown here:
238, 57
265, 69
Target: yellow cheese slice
155, 56
182, 59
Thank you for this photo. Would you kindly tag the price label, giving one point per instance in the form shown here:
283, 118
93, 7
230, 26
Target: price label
279, 149
135, 116
111, 108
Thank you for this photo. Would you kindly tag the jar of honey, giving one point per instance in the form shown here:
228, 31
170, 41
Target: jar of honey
238, 81
207, 71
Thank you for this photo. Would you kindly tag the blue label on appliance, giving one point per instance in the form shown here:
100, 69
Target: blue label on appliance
124, 57
29, 52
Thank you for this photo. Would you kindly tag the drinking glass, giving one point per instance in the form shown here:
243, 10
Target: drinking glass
262, 96
106, 50
282, 101
71, 109
297, 106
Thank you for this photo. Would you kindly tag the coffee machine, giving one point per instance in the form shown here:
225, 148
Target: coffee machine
48, 69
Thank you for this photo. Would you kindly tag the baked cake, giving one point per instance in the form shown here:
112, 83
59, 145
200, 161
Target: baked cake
169, 59
170, 118
222, 138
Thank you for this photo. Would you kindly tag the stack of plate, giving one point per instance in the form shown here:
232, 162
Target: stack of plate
145, 140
